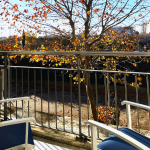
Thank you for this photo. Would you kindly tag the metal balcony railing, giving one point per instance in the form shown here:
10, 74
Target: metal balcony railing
8, 76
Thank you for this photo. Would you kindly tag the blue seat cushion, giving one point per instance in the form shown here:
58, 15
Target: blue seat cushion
14, 135
114, 143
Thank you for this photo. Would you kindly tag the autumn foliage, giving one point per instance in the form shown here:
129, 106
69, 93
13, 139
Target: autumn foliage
108, 114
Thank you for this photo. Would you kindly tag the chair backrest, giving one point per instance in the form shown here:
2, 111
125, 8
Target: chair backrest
14, 136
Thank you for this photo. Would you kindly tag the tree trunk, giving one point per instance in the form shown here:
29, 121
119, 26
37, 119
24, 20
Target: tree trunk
89, 89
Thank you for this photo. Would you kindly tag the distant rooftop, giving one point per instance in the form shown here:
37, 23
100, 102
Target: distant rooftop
3, 38
121, 29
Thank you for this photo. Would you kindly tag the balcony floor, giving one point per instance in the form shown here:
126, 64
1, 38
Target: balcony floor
46, 144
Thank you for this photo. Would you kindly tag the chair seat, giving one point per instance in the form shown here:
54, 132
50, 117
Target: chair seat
114, 143
14, 135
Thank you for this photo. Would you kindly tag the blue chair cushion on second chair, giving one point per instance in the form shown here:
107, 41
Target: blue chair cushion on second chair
114, 143
14, 135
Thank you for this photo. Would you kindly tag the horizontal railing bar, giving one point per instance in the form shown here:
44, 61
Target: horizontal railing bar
89, 53
102, 71
108, 71
50, 68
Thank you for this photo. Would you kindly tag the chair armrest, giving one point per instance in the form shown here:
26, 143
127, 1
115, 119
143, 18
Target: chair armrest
14, 99
128, 103
17, 121
128, 139
135, 104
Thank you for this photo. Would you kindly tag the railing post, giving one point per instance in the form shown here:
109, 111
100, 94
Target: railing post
1, 84
125, 84
137, 100
35, 94
106, 102
8, 79
108, 86
55, 76
147, 80
129, 124
5, 86
93, 136
79, 95
116, 104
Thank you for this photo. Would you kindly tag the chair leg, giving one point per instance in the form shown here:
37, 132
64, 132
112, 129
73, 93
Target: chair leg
93, 136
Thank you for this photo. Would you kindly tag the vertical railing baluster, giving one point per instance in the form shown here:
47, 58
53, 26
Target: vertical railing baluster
16, 92
71, 101
87, 101
106, 102
28, 95
96, 92
1, 88
48, 97
5, 86
35, 93
137, 102
116, 100
108, 88
10, 88
79, 95
125, 84
96, 100
63, 100
41, 100
22, 91
16, 82
56, 98
9, 82
106, 98
148, 97
22, 81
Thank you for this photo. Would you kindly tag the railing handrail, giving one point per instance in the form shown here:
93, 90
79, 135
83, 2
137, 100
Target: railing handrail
89, 53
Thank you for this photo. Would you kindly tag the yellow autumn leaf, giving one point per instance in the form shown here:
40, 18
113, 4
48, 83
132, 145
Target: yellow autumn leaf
88, 12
